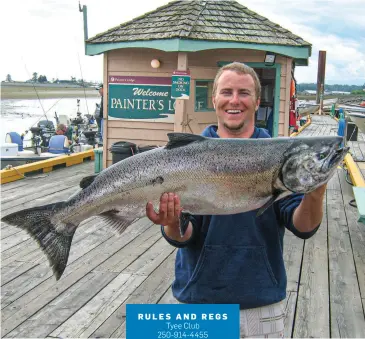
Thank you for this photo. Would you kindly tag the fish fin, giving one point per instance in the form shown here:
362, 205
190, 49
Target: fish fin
87, 181
265, 206
276, 196
118, 222
184, 222
37, 222
182, 139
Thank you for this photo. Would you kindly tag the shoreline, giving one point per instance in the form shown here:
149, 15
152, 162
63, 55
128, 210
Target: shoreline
44, 92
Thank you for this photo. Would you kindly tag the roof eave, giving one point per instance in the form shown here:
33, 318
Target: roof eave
187, 45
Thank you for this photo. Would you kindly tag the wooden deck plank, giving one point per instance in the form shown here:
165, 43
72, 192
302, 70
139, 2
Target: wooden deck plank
151, 259
347, 315
49, 280
357, 234
290, 307
62, 307
21, 252
312, 315
20, 285
10, 242
16, 187
45, 191
149, 292
83, 323
13, 186
30, 192
17, 248
293, 252
125, 256
27, 282
31, 302
14, 270
8, 231
43, 200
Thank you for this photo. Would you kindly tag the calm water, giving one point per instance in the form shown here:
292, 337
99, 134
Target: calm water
20, 115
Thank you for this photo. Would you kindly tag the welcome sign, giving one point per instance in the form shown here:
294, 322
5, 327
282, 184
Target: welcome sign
140, 97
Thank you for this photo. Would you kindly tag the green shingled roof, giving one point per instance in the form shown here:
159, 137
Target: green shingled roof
201, 20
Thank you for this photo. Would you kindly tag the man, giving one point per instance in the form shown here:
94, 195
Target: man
99, 116
238, 258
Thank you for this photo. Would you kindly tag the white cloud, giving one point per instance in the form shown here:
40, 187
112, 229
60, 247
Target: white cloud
46, 36
335, 26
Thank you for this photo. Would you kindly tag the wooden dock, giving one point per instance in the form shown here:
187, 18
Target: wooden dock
326, 274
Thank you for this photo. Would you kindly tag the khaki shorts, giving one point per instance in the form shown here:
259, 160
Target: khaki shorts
263, 322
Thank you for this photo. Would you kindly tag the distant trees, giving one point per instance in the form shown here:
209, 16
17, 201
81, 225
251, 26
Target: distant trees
35, 77
343, 88
42, 79
358, 91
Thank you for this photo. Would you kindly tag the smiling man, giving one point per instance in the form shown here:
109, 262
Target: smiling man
236, 98
238, 259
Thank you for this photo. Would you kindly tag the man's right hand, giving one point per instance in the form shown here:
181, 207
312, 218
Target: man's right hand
168, 216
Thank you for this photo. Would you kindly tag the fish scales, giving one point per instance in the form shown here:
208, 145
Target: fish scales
207, 168
211, 176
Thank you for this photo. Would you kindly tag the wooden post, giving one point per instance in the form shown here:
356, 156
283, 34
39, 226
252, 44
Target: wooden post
320, 79
180, 104
321, 100
105, 111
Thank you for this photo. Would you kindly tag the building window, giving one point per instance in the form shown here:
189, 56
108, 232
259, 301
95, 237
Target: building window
203, 95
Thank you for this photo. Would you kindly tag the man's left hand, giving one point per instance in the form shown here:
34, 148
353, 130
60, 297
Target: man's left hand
318, 193
308, 215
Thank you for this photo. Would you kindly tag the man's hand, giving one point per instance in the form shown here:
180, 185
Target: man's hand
169, 210
318, 193
308, 215
168, 216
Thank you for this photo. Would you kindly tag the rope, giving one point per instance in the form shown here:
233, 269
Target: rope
83, 85
187, 124
36, 92
353, 203
8, 167
47, 111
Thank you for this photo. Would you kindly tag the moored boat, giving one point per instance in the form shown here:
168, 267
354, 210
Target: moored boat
358, 119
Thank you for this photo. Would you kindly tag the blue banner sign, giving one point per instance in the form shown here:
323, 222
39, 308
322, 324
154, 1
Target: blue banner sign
139, 97
183, 321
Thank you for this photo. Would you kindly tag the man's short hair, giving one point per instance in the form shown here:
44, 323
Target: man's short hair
239, 68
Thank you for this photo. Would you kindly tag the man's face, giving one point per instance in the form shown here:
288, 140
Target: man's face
235, 100
101, 91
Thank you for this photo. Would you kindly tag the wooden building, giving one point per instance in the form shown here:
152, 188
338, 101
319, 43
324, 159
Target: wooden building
195, 37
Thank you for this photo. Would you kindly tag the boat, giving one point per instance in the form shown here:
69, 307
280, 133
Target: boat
358, 119
14, 154
353, 108
73, 135
307, 109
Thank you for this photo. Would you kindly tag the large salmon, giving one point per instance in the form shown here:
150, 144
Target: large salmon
211, 176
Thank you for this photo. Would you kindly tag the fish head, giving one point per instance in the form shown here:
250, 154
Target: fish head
310, 162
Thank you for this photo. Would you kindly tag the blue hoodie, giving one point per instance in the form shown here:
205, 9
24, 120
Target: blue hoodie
236, 259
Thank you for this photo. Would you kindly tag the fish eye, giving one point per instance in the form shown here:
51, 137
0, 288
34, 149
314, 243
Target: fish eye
322, 155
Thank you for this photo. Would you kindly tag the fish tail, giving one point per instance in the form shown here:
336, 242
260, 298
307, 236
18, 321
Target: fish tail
37, 222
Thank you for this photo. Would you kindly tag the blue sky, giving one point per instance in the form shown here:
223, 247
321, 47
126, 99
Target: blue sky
46, 36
